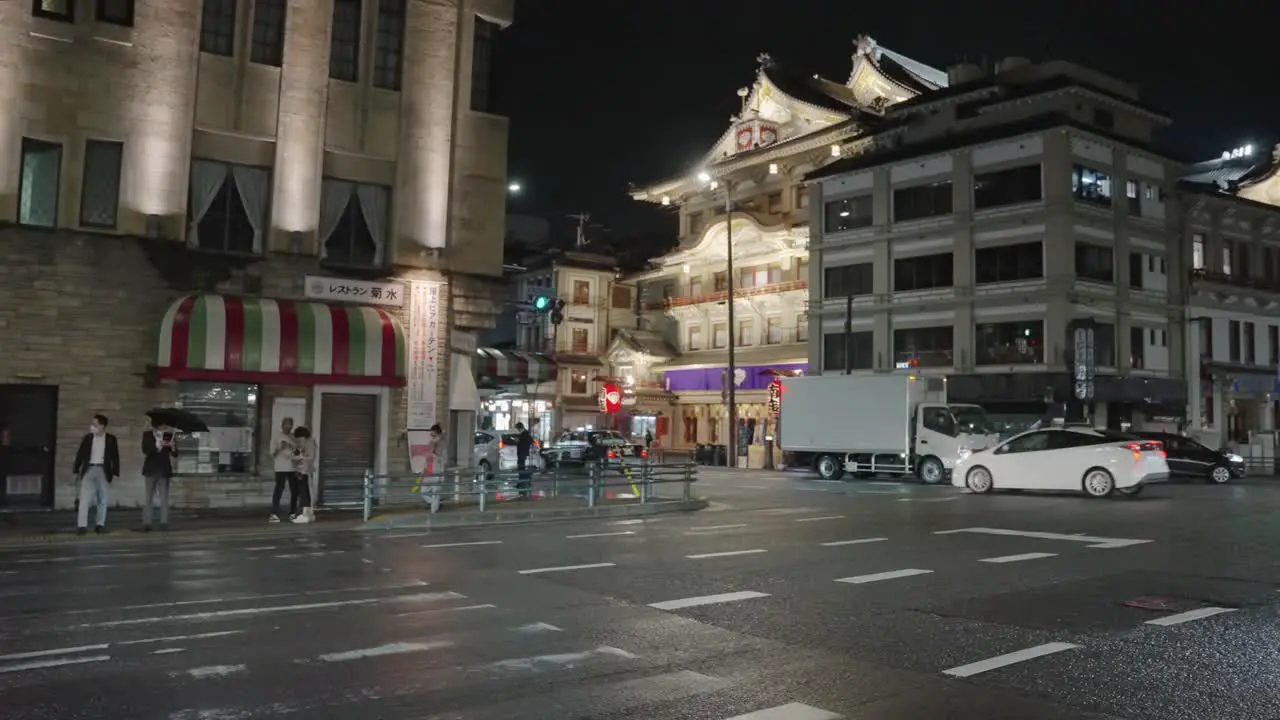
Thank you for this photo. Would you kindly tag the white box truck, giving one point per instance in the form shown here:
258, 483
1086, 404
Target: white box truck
879, 425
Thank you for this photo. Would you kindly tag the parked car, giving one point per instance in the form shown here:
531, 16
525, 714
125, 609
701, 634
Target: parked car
1188, 458
571, 447
1095, 462
496, 451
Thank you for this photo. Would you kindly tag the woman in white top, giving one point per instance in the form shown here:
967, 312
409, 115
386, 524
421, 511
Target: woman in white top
304, 463
282, 447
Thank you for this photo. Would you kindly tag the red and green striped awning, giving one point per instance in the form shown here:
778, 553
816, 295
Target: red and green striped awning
262, 340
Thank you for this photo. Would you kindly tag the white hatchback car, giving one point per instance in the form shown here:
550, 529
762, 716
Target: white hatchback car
1095, 462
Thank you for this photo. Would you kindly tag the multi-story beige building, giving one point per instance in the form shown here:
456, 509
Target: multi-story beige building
790, 124
253, 209
984, 223
1232, 247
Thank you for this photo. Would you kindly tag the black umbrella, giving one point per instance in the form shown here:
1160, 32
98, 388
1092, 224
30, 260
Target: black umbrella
178, 419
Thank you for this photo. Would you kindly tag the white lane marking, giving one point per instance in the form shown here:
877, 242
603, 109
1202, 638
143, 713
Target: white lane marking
434, 611
819, 518
275, 596
1018, 558
860, 541
708, 600
702, 556
216, 671
1190, 615
260, 548
407, 535
755, 487
318, 553
705, 528
886, 484
464, 544
366, 561
787, 511
1012, 658
168, 651
561, 659
1095, 542
563, 568
399, 648
57, 651
790, 711
46, 560
906, 499
603, 534
43, 664
538, 627
175, 638
877, 577
249, 612
936, 500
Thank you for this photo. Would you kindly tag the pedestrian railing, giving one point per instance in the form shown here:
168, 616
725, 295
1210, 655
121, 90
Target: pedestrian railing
591, 484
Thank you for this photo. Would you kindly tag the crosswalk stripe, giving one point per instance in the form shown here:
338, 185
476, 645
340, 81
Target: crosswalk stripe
877, 577
790, 711
708, 600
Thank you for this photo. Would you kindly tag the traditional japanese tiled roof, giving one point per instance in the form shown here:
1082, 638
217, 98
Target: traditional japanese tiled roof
646, 341
811, 90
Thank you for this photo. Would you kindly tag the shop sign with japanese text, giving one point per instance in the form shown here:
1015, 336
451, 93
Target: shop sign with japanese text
386, 294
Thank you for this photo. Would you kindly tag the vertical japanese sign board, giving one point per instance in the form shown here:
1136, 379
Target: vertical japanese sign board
425, 351
1086, 366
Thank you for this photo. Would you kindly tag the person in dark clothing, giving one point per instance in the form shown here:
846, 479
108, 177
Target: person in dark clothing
158, 451
524, 444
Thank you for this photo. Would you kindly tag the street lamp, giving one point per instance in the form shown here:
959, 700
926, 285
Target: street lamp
731, 392
514, 188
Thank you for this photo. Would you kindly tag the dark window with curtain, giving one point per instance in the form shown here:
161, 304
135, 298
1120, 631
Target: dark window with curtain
848, 214
1007, 187
116, 12
64, 10
924, 272
388, 55
1009, 343
1007, 263
100, 185
227, 205
922, 201
39, 183
483, 40
218, 27
924, 347
861, 350
846, 280
268, 33
344, 41
1095, 262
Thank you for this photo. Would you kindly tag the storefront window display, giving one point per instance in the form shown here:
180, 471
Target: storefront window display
231, 412
502, 415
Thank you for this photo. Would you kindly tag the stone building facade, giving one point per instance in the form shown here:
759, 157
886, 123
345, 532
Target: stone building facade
267, 160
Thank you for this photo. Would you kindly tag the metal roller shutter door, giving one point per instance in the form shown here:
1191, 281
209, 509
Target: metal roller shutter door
348, 436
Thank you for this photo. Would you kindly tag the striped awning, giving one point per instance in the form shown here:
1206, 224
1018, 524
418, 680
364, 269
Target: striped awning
262, 340
514, 366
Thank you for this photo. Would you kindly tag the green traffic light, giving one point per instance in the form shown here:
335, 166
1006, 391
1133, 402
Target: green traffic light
541, 302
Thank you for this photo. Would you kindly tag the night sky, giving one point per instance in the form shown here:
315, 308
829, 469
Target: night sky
605, 93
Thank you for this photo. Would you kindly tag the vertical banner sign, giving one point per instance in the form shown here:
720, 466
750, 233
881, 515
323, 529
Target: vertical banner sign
1085, 362
610, 398
775, 397
424, 354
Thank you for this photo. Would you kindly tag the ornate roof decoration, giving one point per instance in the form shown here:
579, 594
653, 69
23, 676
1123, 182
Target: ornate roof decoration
1245, 175
782, 106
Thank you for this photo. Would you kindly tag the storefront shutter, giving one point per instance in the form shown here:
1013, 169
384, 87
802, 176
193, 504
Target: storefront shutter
348, 439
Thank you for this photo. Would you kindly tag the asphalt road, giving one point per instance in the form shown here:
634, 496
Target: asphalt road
786, 600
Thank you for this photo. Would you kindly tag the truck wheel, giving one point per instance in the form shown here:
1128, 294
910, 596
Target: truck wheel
828, 467
930, 470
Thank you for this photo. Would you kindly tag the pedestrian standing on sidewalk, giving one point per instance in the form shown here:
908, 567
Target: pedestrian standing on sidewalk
430, 482
97, 464
524, 444
158, 451
304, 465
282, 448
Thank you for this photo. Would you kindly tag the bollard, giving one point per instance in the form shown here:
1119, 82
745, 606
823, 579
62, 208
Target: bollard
484, 489
593, 472
688, 480
368, 495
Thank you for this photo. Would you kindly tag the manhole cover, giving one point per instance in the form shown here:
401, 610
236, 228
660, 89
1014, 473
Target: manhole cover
1164, 603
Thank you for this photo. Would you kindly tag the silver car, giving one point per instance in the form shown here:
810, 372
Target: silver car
571, 447
496, 451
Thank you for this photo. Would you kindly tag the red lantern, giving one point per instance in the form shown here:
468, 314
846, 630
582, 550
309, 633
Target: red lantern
610, 398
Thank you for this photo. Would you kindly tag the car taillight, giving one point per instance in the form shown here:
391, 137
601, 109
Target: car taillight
501, 444
537, 444
612, 455
644, 454
1138, 448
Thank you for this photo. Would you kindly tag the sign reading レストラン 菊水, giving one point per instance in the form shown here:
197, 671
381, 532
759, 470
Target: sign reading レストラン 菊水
387, 294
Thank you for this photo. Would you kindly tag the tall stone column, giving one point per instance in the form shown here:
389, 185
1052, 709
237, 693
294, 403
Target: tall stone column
300, 124
424, 166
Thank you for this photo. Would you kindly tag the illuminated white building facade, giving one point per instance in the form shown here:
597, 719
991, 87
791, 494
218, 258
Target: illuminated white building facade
212, 202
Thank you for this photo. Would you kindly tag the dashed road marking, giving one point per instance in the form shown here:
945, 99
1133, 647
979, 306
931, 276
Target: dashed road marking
1190, 615
56, 651
790, 711
602, 534
708, 600
820, 518
216, 671
400, 648
1018, 558
707, 528
703, 556
464, 544
877, 577
859, 541
1007, 659
565, 568
1102, 543
52, 663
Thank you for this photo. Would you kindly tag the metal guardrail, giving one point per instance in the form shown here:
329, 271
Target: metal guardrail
591, 483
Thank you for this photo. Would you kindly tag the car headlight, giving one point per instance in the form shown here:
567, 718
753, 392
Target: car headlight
964, 452
1232, 457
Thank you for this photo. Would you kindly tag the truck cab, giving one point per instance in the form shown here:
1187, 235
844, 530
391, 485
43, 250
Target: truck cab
944, 433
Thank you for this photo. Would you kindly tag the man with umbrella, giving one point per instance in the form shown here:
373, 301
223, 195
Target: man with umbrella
159, 448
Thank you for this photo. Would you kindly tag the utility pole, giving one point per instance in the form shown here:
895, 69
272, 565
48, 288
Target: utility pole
733, 402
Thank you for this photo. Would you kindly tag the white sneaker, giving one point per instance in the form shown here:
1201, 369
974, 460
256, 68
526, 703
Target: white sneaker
273, 518
300, 520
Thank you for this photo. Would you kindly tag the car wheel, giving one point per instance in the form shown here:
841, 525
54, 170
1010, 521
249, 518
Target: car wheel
1134, 491
1098, 483
1219, 475
930, 470
828, 467
979, 480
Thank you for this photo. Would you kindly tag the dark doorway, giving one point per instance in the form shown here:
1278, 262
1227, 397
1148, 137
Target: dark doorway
348, 442
28, 444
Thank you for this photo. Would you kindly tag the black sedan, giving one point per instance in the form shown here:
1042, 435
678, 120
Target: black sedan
1188, 458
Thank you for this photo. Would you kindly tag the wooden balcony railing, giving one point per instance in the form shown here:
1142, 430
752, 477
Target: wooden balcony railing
722, 295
